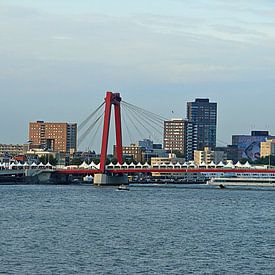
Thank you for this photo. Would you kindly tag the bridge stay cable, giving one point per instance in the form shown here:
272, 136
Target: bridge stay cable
85, 121
132, 122
141, 122
158, 117
88, 130
96, 132
126, 125
145, 124
148, 116
156, 126
138, 117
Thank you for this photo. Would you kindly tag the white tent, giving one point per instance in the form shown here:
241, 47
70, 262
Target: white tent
92, 165
171, 165
84, 165
203, 164
212, 164
192, 164
118, 165
163, 165
146, 165
33, 165
111, 165
125, 165
139, 165
12, 166
48, 165
238, 165
41, 165
26, 165
185, 165
229, 165
220, 165
132, 165
247, 165
19, 165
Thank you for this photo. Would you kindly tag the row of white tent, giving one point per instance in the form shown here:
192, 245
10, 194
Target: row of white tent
171, 165
19, 165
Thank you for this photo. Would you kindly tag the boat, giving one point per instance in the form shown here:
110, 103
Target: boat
223, 182
123, 187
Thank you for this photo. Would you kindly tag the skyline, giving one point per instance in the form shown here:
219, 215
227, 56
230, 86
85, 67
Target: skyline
57, 53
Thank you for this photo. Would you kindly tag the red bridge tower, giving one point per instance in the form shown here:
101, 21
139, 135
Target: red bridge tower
111, 99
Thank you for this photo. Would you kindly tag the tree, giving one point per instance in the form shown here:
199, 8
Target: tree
178, 154
266, 161
76, 161
244, 160
48, 158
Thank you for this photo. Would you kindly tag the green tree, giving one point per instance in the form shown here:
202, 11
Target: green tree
266, 161
49, 158
178, 154
75, 161
244, 160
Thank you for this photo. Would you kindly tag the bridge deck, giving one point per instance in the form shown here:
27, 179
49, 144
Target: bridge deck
195, 170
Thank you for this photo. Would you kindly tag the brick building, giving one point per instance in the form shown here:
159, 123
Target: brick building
53, 136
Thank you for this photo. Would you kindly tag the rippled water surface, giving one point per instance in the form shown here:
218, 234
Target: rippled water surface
148, 230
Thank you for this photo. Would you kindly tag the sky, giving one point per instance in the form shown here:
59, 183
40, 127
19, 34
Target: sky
59, 57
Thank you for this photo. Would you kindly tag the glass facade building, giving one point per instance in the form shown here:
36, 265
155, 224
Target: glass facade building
203, 114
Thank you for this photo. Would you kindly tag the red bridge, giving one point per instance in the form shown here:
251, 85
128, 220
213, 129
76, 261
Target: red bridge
114, 99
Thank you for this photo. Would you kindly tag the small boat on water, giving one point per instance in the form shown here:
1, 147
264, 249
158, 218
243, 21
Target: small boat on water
123, 187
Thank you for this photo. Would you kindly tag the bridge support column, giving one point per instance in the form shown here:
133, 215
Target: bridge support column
110, 179
111, 99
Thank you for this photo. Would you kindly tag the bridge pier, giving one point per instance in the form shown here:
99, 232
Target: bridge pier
110, 179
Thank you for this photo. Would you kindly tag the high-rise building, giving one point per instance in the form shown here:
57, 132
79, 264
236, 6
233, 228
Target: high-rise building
53, 136
180, 136
204, 115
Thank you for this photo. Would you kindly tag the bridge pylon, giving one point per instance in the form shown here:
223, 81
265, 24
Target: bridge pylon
111, 99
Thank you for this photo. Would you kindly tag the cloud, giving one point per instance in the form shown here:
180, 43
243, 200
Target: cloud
154, 46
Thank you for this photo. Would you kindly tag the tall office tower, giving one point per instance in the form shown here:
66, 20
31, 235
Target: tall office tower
180, 135
204, 114
54, 136
191, 140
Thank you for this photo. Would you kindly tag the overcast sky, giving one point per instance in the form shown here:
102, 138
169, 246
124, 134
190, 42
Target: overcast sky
58, 57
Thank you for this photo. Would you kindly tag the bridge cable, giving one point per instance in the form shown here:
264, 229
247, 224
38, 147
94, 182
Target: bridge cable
126, 125
150, 120
96, 132
89, 129
146, 128
133, 123
83, 123
140, 122
158, 117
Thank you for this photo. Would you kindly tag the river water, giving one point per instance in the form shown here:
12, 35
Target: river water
147, 230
